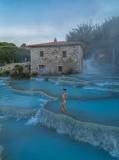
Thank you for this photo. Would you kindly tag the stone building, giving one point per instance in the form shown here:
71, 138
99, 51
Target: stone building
58, 57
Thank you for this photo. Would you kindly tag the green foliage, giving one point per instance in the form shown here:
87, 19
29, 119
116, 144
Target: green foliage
10, 53
18, 69
4, 73
23, 45
7, 44
34, 74
18, 73
7, 52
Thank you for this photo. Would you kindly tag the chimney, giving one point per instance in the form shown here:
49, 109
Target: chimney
55, 40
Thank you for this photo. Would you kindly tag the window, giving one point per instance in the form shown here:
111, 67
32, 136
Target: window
64, 54
41, 53
60, 68
41, 67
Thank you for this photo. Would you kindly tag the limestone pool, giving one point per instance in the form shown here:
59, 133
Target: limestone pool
91, 98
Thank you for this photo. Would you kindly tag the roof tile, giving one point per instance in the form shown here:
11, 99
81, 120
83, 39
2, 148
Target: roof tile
53, 44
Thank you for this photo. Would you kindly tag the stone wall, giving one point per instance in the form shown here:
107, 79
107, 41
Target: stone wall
9, 67
53, 58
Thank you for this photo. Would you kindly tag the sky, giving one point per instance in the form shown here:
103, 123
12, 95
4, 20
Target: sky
38, 21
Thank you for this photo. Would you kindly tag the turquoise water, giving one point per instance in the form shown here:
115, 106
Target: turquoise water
55, 89
37, 143
105, 111
94, 99
10, 98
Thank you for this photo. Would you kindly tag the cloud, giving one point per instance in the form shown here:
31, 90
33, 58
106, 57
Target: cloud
29, 34
22, 31
37, 21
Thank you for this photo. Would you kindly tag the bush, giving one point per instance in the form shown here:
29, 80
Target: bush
4, 73
18, 73
18, 69
34, 74
7, 72
20, 76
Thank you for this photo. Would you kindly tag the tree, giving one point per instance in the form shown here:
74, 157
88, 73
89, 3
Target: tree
99, 40
10, 53
83, 33
23, 45
7, 52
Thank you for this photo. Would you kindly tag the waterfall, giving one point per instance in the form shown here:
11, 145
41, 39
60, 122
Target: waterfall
103, 136
90, 66
34, 120
93, 66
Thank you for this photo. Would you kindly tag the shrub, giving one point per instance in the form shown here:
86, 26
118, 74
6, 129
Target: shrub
34, 74
18, 73
20, 76
4, 73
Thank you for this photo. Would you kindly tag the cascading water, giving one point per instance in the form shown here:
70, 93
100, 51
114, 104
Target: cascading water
95, 65
53, 87
90, 66
35, 119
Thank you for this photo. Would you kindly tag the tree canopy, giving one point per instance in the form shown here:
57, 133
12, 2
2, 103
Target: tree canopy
10, 53
7, 52
99, 40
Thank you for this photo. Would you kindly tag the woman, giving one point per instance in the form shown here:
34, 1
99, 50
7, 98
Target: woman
64, 101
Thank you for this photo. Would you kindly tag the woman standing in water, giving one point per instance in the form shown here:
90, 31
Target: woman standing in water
64, 101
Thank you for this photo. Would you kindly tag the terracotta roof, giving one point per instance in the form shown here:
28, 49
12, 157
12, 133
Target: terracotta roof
53, 44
